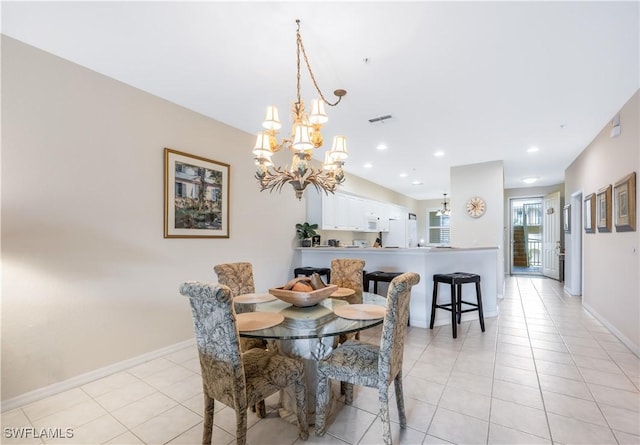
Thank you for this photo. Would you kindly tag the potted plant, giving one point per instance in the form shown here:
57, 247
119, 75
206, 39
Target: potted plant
305, 231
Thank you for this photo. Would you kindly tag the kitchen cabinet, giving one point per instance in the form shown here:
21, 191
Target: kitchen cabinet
342, 211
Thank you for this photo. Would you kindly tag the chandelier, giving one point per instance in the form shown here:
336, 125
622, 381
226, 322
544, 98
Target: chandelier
444, 211
304, 138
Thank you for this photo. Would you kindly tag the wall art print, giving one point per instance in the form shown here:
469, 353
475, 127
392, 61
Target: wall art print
566, 218
603, 203
196, 196
590, 213
625, 204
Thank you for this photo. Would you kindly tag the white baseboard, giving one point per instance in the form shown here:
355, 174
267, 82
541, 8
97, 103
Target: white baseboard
635, 348
83, 379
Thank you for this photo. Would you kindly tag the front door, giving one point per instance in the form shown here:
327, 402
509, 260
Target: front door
551, 236
526, 235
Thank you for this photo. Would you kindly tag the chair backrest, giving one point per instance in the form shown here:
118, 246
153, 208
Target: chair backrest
217, 340
394, 327
237, 276
347, 272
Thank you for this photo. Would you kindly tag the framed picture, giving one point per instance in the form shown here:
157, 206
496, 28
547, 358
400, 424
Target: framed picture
566, 218
196, 196
590, 213
603, 203
625, 204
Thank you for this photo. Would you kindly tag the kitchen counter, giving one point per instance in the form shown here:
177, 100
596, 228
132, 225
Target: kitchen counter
425, 261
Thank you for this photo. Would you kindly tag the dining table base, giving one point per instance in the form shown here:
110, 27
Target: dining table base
309, 352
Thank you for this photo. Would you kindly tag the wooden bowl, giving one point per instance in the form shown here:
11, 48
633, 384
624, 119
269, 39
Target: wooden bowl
303, 299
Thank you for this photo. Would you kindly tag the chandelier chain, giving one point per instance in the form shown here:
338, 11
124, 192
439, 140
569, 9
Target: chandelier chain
313, 78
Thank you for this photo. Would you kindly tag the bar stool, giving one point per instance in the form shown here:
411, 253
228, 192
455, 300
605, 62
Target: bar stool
456, 280
376, 276
308, 271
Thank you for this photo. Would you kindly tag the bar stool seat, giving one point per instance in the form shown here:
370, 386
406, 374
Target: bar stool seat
377, 276
308, 271
456, 280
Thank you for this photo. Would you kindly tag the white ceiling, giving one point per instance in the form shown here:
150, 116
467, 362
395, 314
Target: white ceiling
480, 81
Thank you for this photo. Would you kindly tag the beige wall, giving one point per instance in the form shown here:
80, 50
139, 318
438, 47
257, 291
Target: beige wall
88, 279
610, 260
487, 181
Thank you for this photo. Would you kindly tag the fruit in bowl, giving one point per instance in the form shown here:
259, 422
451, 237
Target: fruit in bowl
304, 291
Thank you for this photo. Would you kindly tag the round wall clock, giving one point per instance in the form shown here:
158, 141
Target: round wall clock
476, 207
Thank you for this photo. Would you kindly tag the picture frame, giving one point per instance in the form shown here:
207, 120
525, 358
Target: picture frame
603, 210
625, 204
566, 218
192, 210
590, 213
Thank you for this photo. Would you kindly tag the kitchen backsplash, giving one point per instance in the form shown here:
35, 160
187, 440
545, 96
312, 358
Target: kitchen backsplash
346, 238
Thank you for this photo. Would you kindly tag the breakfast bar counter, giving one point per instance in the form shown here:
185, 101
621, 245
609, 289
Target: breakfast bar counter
426, 262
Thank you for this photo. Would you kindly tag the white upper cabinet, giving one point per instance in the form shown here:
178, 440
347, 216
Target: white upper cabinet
342, 211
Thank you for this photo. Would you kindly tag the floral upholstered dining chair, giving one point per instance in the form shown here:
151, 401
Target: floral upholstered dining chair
239, 278
348, 272
235, 379
364, 364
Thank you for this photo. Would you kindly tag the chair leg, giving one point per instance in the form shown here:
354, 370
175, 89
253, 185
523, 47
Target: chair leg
322, 400
433, 304
400, 400
301, 405
454, 305
241, 426
480, 313
207, 431
459, 300
260, 409
348, 393
384, 413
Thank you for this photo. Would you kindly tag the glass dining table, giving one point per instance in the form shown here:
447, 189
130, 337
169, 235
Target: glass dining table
308, 334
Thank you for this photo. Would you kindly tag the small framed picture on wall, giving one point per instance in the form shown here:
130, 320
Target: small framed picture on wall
590, 213
603, 202
566, 218
625, 204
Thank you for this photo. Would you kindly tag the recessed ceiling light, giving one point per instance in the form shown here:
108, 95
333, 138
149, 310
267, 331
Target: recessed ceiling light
403, 175
368, 165
439, 154
529, 180
381, 147
416, 183
532, 149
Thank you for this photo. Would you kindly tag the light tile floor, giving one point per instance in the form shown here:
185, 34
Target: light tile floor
544, 372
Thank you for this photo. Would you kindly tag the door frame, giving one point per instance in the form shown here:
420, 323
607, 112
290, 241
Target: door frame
510, 231
573, 247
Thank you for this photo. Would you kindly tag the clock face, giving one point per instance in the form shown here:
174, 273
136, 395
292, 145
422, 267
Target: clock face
476, 207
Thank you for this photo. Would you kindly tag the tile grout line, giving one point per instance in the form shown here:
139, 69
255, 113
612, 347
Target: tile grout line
535, 366
611, 430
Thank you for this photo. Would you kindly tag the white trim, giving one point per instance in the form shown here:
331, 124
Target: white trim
83, 379
627, 342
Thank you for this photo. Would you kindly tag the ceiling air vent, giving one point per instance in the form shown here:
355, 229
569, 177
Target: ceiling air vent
380, 119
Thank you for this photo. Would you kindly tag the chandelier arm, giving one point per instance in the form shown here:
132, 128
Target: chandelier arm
339, 93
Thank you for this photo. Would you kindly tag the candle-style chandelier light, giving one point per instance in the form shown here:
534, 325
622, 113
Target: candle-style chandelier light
304, 138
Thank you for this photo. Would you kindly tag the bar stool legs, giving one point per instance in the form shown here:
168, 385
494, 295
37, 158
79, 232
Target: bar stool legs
456, 280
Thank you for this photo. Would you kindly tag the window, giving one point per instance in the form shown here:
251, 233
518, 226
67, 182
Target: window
438, 228
181, 190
